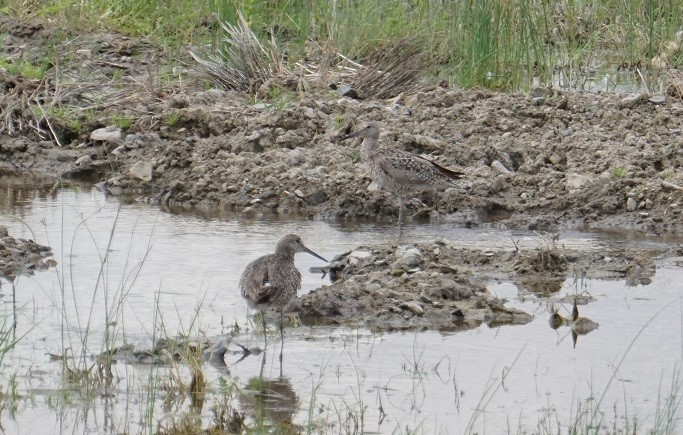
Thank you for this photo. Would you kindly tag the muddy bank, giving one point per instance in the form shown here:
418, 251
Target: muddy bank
435, 286
540, 160
22, 257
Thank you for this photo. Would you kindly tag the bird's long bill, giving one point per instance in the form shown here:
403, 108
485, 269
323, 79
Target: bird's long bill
314, 254
349, 136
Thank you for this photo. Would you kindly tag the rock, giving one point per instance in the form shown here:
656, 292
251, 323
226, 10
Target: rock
299, 194
657, 99
84, 161
499, 184
141, 171
555, 159
576, 181
346, 91
119, 151
107, 134
631, 204
630, 101
414, 307
670, 186
498, 166
548, 135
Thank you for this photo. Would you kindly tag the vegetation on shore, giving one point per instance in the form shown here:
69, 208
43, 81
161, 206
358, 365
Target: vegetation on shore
499, 45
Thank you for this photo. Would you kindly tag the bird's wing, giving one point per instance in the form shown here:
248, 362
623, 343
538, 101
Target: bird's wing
284, 276
407, 168
255, 282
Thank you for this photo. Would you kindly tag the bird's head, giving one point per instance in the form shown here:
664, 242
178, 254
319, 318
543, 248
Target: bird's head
370, 131
291, 244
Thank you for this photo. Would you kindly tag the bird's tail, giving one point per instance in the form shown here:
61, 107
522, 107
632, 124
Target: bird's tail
454, 175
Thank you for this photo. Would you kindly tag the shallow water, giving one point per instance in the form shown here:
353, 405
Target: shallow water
167, 274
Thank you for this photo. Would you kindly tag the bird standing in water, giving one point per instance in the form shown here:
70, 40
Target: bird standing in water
272, 281
398, 171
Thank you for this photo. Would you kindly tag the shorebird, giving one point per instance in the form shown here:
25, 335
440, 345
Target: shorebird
272, 281
401, 172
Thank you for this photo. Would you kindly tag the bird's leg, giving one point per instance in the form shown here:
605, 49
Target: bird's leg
282, 338
400, 215
265, 336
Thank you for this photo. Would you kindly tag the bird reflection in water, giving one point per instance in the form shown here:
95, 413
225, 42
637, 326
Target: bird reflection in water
272, 403
578, 325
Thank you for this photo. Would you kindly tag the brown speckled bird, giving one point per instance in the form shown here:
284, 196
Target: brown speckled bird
272, 281
401, 172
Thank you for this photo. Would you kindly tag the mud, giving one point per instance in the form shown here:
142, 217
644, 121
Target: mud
437, 286
22, 257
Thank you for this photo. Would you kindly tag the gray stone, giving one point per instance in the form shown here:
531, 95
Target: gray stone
107, 134
555, 159
576, 181
499, 184
141, 171
84, 161
548, 135
498, 166
658, 99
630, 101
631, 204
414, 307
120, 150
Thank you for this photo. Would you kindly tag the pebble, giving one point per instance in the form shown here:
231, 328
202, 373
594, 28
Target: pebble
631, 204
106, 134
630, 101
84, 161
555, 159
499, 184
576, 181
498, 166
141, 171
414, 307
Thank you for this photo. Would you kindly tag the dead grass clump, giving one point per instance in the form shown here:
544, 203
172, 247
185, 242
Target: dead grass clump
245, 64
391, 69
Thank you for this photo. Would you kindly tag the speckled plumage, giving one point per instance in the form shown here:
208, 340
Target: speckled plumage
272, 281
398, 171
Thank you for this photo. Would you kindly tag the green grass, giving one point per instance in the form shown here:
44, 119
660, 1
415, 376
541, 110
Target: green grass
24, 69
499, 45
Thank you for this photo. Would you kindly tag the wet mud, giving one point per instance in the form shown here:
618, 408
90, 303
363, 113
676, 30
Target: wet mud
436, 286
22, 257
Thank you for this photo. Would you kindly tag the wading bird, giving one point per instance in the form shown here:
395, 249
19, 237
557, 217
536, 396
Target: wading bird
272, 281
401, 172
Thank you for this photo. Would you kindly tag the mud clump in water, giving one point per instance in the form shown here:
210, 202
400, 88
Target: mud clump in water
435, 286
391, 288
22, 257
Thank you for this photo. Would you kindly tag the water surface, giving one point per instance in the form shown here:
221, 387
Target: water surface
169, 274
